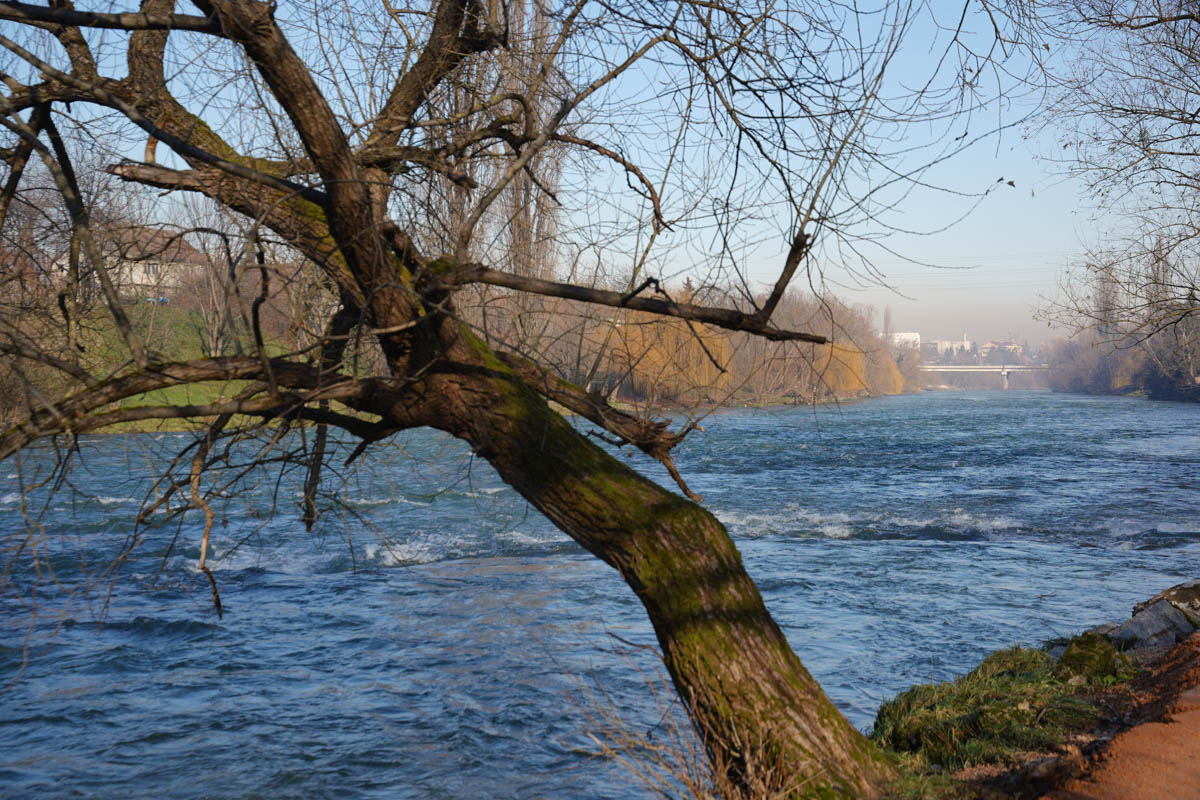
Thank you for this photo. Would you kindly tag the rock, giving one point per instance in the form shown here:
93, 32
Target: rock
1160, 623
1053, 771
1057, 651
1185, 597
1105, 629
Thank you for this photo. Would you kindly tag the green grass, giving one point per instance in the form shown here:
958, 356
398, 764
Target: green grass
1016, 701
917, 780
172, 332
186, 394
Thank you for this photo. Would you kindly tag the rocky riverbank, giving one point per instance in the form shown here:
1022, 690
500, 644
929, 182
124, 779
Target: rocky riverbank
1111, 713
1157, 624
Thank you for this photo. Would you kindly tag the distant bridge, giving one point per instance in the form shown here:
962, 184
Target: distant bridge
1002, 369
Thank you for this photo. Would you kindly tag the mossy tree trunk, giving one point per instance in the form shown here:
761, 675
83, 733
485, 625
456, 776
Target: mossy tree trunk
757, 709
754, 705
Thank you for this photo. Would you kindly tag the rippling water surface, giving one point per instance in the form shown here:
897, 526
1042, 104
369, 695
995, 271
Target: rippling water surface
434, 638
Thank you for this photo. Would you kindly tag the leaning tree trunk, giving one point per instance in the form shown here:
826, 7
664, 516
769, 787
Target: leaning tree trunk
754, 705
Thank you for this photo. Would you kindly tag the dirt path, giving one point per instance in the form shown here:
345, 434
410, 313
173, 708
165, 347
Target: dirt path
1159, 757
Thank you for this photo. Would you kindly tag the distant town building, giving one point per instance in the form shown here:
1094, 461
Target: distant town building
905, 339
143, 261
1009, 348
944, 348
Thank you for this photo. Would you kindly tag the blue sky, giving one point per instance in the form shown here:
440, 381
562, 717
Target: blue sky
990, 273
1001, 263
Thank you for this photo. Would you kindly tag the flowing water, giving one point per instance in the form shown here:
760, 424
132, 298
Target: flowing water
434, 638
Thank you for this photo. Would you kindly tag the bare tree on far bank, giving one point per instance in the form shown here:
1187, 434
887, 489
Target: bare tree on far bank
1127, 111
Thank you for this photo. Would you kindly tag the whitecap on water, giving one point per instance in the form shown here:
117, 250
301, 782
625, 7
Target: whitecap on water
229, 555
910, 522
1123, 528
524, 538
744, 524
377, 501
797, 521
1174, 527
964, 521
408, 502
394, 554
836, 531
484, 492
791, 521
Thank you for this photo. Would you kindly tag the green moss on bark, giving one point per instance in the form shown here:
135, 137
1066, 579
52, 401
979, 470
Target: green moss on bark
751, 699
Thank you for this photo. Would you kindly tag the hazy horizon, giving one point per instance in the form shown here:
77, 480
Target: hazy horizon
991, 272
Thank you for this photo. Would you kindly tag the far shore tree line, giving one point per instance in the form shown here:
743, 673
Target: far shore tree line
1137, 329
1161, 367
201, 290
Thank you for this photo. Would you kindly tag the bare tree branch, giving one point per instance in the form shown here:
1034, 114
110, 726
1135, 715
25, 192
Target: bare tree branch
97, 92
58, 164
445, 49
24, 12
17, 161
720, 317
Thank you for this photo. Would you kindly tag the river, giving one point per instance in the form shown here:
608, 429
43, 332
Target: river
435, 638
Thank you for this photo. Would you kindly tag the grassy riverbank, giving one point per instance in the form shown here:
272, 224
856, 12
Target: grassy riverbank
1018, 706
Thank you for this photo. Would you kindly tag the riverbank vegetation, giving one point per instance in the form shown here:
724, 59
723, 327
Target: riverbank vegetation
1026, 722
192, 293
645, 360
1012, 727
1162, 366
1016, 701
637, 359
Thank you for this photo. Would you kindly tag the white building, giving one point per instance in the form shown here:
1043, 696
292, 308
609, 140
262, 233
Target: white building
953, 346
143, 261
905, 339
1010, 348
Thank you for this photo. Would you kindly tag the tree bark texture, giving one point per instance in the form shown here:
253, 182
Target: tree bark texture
754, 705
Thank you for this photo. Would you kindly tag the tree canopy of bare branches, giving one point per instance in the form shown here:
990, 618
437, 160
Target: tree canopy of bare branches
1127, 111
415, 165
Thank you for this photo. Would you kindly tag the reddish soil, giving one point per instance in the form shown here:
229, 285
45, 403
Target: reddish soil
1156, 756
